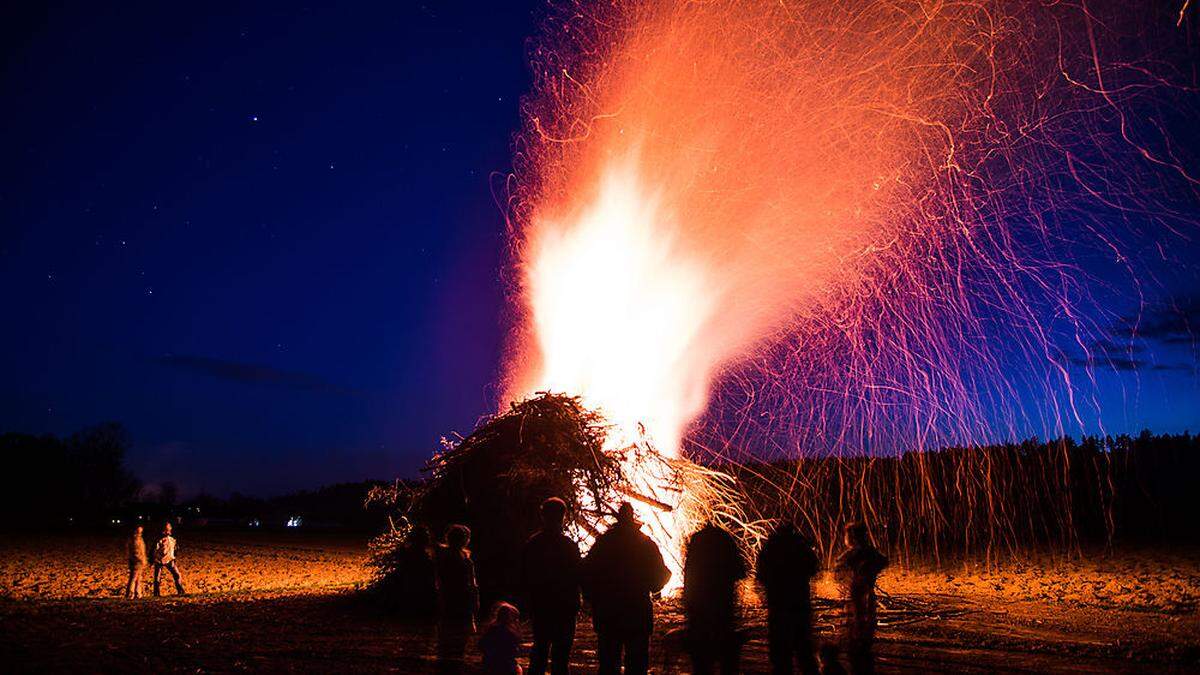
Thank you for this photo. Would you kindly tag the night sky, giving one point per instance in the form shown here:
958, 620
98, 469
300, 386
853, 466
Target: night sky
265, 239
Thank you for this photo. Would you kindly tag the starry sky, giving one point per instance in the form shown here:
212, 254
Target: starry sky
264, 237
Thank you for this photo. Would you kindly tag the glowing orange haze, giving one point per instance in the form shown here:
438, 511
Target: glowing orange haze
707, 177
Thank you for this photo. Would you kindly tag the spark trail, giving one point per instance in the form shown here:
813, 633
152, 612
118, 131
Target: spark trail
786, 229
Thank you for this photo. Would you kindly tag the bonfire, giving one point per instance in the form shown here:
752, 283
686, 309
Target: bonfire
552, 445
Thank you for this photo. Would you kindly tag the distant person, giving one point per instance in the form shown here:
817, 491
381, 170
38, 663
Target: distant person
135, 554
458, 597
418, 577
501, 641
785, 568
711, 572
858, 568
550, 570
620, 573
164, 558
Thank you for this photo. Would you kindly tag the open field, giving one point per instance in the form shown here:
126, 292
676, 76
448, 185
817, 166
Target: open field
287, 601
91, 566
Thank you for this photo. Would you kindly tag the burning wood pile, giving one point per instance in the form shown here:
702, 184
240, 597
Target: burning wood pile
552, 445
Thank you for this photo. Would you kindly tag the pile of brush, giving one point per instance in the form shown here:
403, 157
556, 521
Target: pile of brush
495, 479
550, 445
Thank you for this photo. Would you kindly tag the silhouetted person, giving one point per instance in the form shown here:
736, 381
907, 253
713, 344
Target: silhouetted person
135, 554
501, 641
620, 573
785, 568
550, 571
164, 558
711, 572
458, 597
858, 568
418, 577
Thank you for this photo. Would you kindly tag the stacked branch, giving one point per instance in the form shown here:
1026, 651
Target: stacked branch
551, 445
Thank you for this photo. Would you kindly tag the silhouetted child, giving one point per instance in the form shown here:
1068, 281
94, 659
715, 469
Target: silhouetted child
858, 568
458, 597
501, 643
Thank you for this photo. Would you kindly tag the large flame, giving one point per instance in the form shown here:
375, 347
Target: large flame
619, 310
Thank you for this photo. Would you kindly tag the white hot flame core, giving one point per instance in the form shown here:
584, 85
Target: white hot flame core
618, 306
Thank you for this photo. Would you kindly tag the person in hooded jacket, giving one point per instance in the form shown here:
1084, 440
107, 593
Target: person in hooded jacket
621, 573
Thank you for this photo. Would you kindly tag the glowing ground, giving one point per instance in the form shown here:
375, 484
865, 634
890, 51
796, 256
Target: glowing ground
281, 602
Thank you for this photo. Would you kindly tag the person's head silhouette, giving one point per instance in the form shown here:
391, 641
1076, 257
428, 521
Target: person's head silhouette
626, 515
457, 537
554, 514
856, 534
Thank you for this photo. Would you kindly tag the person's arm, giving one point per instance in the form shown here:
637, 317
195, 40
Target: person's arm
587, 573
660, 575
524, 575
574, 569
812, 564
881, 562
472, 587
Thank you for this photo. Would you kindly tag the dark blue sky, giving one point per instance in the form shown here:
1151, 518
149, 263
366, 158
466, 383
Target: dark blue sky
264, 238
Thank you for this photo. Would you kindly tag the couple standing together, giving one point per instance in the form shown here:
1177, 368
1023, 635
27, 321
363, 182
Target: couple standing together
620, 573
164, 559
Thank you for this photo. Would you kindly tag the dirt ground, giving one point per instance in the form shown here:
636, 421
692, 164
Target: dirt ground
276, 601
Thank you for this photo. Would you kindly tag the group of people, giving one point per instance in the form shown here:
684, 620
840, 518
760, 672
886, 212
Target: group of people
619, 577
164, 559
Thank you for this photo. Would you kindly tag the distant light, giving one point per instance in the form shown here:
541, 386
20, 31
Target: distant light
254, 118
295, 521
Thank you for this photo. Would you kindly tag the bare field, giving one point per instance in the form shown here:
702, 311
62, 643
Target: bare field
284, 601
93, 566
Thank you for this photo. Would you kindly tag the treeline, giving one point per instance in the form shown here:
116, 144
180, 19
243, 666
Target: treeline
78, 480
82, 481
339, 506
1062, 493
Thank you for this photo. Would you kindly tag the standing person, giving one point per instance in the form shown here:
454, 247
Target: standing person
550, 569
418, 577
785, 568
501, 641
164, 558
620, 573
135, 554
458, 597
859, 567
711, 572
